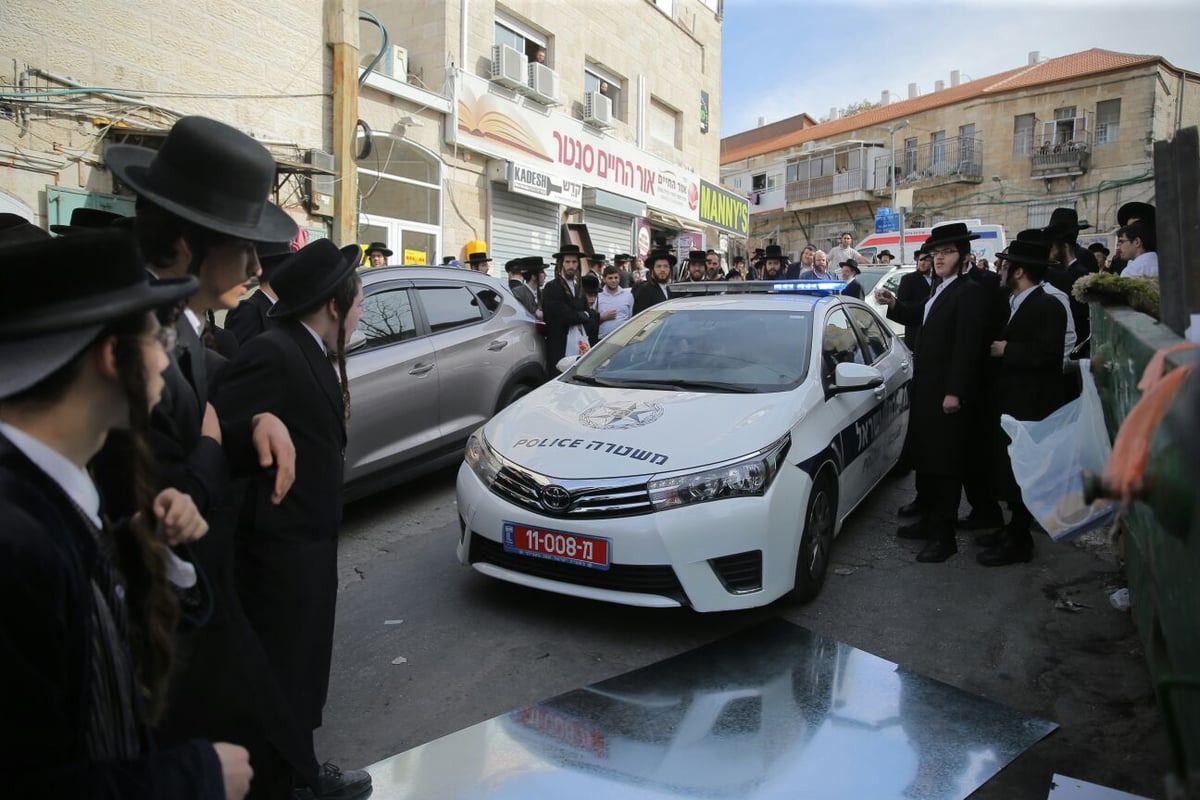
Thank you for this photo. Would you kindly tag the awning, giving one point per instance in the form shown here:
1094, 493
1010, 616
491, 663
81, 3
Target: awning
672, 221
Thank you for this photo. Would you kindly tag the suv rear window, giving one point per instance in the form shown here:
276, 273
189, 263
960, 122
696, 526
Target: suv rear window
449, 307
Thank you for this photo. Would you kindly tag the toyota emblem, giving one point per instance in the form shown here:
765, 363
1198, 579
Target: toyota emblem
555, 498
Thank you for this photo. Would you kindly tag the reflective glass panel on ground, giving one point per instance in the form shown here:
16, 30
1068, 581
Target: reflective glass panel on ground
773, 712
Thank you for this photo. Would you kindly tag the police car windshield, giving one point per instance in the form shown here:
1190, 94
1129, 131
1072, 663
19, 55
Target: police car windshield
711, 350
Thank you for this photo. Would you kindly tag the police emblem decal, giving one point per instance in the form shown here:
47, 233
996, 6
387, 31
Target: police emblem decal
621, 416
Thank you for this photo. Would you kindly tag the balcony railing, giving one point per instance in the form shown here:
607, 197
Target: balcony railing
955, 160
853, 180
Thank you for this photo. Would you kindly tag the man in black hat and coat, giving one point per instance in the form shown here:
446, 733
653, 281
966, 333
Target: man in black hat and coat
850, 271
622, 262
652, 291
528, 285
564, 305
377, 254
774, 263
1063, 234
946, 383
1027, 362
286, 570
479, 262
695, 266
201, 207
86, 607
250, 318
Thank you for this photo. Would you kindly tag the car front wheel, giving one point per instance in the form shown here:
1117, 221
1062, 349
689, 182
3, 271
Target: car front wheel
817, 541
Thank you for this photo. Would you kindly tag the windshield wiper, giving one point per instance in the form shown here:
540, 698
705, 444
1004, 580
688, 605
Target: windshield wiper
720, 386
591, 380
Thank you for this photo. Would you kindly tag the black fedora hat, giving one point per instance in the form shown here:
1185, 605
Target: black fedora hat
773, 251
311, 275
99, 277
1030, 247
210, 174
1143, 212
883, 253
514, 265
655, 255
14, 228
852, 264
531, 265
1064, 224
1097, 247
950, 233
86, 219
697, 257
622, 258
569, 250
271, 255
478, 258
378, 247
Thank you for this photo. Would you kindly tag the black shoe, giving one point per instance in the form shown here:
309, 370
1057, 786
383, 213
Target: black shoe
937, 551
989, 539
980, 523
1009, 550
913, 530
334, 783
913, 509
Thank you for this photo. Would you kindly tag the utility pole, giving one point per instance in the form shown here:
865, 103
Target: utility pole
341, 33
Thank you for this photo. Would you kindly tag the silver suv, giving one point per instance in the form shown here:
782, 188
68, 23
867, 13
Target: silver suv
438, 352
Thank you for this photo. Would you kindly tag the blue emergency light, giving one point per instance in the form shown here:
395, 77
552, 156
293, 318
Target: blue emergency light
812, 288
820, 288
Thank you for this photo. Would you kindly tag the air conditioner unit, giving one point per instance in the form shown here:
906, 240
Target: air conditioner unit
508, 67
597, 109
395, 63
543, 84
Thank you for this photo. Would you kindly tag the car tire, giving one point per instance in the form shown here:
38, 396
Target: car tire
513, 394
816, 543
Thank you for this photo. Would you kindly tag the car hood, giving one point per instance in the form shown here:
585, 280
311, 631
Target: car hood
566, 430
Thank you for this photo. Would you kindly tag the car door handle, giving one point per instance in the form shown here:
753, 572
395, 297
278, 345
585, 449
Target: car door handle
420, 369
879, 392
904, 365
497, 344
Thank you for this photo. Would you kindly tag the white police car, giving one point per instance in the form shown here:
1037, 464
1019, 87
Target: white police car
704, 454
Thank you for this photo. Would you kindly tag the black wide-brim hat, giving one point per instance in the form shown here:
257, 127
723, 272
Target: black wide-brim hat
98, 278
478, 258
569, 250
531, 265
773, 252
655, 255
1141, 211
1030, 251
950, 233
697, 257
14, 228
311, 276
883, 253
1064, 224
378, 247
271, 255
210, 174
86, 219
852, 264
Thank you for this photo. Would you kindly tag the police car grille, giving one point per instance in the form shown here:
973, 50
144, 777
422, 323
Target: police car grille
642, 579
589, 499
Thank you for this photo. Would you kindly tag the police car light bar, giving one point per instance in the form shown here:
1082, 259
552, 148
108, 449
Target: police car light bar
816, 288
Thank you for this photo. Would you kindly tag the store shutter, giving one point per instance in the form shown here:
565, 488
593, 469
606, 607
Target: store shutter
521, 226
611, 232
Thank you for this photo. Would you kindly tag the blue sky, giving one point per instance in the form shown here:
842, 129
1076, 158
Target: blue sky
782, 57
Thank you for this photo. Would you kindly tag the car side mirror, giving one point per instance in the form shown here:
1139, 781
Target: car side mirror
855, 378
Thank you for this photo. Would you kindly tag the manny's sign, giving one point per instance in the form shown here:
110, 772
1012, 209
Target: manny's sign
724, 209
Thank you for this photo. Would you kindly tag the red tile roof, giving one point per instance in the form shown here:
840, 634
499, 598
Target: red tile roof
1076, 65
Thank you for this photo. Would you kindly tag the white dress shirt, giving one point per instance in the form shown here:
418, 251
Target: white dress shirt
1144, 266
621, 300
941, 287
1069, 340
194, 321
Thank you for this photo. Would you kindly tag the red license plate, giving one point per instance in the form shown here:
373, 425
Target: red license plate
564, 728
570, 548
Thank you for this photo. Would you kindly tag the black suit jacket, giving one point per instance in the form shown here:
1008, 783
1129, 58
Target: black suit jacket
250, 318
949, 361
913, 288
1030, 380
647, 294
560, 310
853, 289
49, 574
286, 569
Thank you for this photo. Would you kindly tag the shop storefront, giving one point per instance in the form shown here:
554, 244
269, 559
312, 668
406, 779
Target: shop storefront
526, 211
610, 221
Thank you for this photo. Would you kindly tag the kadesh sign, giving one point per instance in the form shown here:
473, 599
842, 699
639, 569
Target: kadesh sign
523, 179
724, 209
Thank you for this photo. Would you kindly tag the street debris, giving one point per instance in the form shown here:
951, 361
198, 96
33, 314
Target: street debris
1120, 599
399, 660
843, 570
392, 621
1063, 604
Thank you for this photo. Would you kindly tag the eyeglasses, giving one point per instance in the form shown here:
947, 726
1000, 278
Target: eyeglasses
943, 251
1122, 241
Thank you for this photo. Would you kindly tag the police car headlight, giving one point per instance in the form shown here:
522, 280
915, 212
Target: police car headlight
482, 459
749, 477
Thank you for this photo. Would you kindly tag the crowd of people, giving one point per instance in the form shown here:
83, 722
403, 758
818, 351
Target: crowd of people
986, 344
169, 551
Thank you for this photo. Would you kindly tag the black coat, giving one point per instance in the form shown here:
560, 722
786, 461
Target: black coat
913, 288
286, 568
853, 289
949, 361
50, 573
250, 318
524, 296
647, 294
560, 310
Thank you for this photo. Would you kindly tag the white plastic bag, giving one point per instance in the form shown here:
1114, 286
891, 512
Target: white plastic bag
1050, 455
577, 341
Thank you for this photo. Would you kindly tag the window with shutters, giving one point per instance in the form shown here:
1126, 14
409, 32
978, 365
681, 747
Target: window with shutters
1023, 127
664, 124
1108, 121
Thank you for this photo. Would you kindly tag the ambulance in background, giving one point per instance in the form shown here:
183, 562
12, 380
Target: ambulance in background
990, 242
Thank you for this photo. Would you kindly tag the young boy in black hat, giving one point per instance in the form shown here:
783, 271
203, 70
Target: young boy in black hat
287, 552
377, 254
86, 638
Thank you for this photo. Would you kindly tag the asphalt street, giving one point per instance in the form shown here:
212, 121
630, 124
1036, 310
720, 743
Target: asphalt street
425, 646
